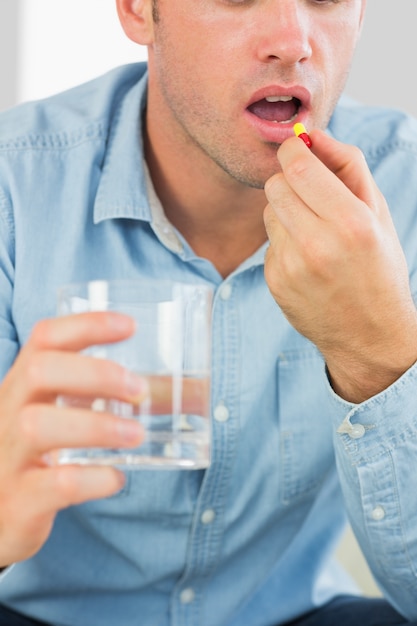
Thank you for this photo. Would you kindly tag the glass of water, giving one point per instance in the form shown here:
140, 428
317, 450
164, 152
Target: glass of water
171, 349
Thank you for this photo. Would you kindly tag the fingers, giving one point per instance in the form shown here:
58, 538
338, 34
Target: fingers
287, 210
44, 367
77, 332
335, 264
348, 164
44, 491
30, 504
32, 426
321, 212
47, 374
62, 486
43, 428
313, 181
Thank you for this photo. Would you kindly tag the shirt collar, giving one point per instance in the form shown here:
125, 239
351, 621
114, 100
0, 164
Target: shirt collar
122, 191
125, 189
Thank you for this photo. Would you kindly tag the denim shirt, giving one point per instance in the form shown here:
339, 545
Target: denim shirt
250, 541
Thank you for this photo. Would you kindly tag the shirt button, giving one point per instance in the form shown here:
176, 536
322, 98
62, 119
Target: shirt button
378, 513
357, 431
208, 516
187, 596
226, 291
221, 413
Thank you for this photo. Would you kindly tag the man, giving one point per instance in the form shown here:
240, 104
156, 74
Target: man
161, 172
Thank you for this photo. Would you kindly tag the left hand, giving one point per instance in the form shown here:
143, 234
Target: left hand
336, 267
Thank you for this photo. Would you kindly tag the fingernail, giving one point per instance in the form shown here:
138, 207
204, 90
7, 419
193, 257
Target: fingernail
121, 322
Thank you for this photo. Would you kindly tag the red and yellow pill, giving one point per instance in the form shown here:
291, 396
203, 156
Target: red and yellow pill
300, 131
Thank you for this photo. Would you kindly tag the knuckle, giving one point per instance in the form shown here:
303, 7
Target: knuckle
110, 375
297, 169
359, 231
67, 484
355, 153
41, 334
29, 423
36, 370
316, 259
100, 426
270, 221
273, 186
319, 254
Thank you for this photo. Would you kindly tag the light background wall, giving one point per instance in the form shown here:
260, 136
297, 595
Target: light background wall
8, 52
49, 45
63, 43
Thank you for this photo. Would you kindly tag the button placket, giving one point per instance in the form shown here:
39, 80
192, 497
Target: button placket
208, 517
205, 540
221, 413
187, 595
225, 291
378, 513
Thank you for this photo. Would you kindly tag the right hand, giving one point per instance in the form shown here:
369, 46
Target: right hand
33, 427
336, 267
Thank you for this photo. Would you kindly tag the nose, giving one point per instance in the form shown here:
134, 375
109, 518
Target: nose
284, 33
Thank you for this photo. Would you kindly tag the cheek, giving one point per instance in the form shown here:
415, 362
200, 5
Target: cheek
194, 78
337, 56
344, 37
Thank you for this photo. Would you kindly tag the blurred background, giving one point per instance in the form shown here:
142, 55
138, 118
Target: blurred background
49, 45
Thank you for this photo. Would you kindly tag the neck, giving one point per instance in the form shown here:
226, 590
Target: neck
221, 219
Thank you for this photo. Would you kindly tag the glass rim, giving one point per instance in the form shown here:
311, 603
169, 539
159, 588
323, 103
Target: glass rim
67, 288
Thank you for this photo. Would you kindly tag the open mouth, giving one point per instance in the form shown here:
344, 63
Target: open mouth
278, 109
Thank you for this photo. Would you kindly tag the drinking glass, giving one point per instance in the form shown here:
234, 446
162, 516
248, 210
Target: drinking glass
171, 349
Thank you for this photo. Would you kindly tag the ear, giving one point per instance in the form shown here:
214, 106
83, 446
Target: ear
362, 15
136, 19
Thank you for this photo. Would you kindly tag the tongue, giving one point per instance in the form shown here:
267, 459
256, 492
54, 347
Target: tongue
274, 111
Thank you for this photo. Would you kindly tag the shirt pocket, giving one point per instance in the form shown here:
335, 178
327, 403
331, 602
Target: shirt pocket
146, 526
151, 495
306, 446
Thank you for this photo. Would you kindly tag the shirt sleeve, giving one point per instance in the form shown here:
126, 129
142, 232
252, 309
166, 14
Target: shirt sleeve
8, 338
376, 454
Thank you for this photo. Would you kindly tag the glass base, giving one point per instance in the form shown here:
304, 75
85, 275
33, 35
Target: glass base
158, 451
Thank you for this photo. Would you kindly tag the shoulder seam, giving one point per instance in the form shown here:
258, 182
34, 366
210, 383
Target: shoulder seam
56, 141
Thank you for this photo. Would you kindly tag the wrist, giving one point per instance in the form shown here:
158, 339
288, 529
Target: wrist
356, 382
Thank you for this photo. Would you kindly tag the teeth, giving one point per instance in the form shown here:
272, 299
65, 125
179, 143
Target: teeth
278, 98
286, 121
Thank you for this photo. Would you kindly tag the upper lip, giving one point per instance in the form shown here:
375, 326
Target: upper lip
296, 91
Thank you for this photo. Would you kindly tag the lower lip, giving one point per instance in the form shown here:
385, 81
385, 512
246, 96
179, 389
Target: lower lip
272, 132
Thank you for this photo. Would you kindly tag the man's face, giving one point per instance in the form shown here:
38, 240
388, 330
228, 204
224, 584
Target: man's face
228, 78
